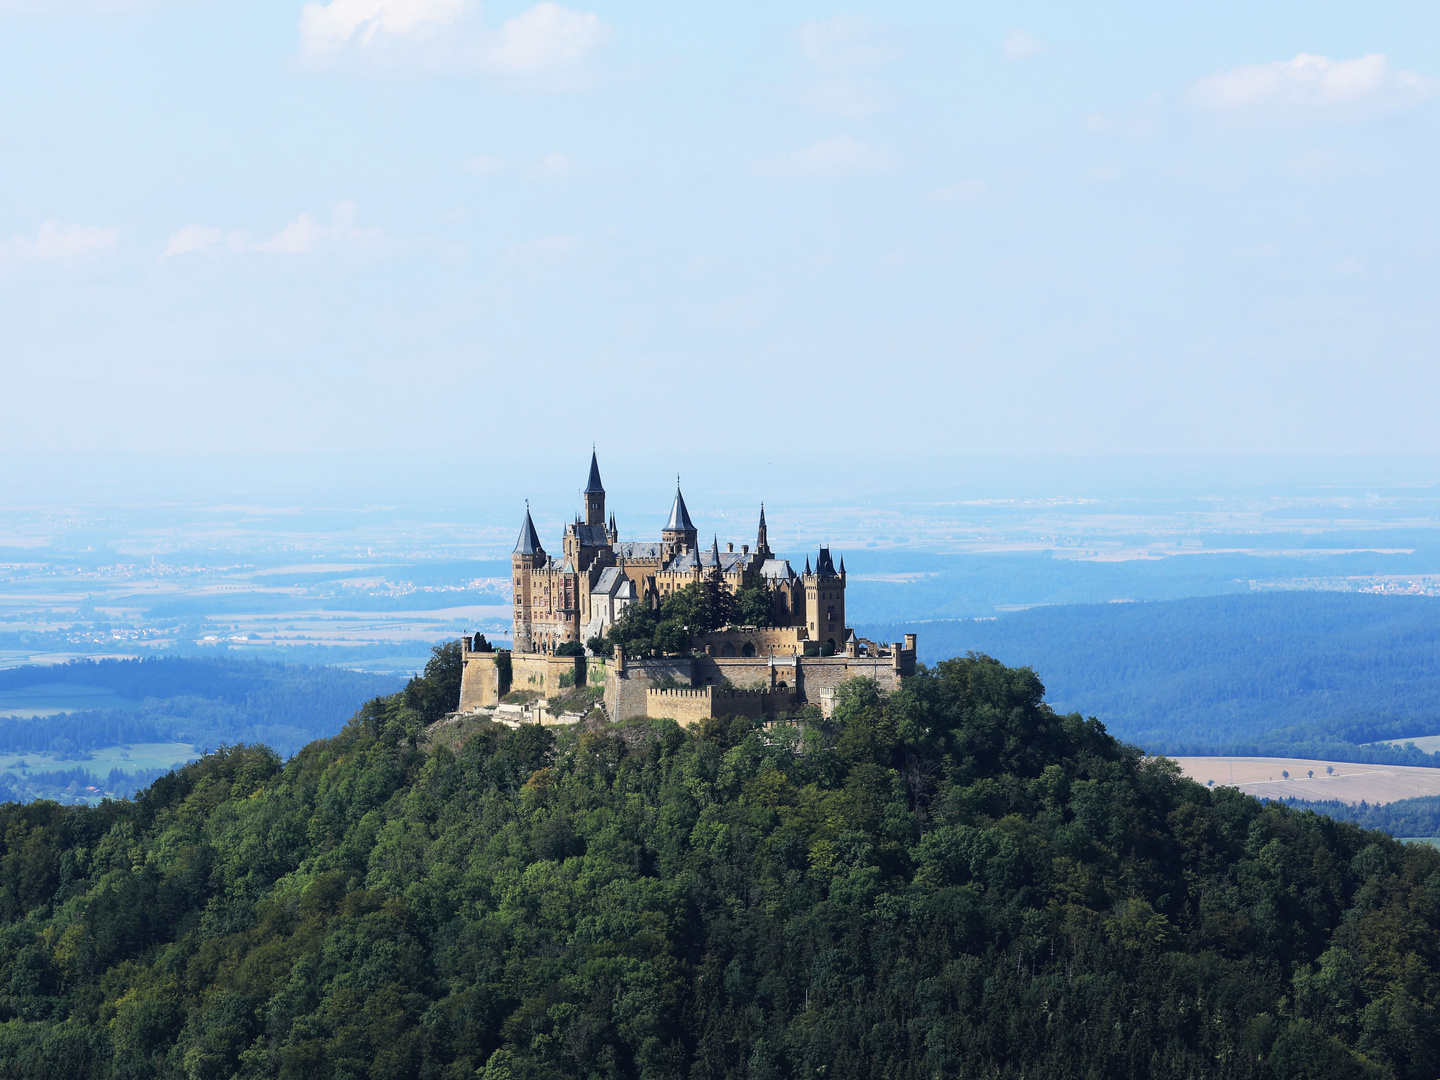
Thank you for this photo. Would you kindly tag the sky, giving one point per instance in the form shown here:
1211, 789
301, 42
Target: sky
787, 235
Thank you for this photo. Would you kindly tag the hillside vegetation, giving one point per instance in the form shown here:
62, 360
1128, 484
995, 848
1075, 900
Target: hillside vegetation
956, 881
1287, 674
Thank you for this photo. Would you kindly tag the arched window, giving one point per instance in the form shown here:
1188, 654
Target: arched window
728, 650
748, 650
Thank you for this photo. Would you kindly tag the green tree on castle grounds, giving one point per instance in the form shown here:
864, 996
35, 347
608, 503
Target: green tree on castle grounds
754, 606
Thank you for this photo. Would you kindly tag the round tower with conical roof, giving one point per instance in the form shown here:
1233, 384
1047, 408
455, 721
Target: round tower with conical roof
527, 556
679, 534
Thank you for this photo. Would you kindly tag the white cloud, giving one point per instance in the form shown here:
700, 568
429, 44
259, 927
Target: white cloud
844, 49
545, 45
1021, 46
483, 165
305, 233
1315, 86
192, 238
325, 28
545, 38
59, 243
847, 43
840, 156
553, 167
1140, 124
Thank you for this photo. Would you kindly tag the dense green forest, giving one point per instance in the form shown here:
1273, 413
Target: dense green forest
205, 701
1305, 674
953, 881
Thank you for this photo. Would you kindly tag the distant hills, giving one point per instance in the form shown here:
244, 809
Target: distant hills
1312, 674
203, 702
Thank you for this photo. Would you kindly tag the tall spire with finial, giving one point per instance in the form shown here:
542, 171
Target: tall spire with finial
762, 537
529, 542
679, 530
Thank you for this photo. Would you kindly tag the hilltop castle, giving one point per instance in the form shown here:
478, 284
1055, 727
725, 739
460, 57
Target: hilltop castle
575, 597
580, 594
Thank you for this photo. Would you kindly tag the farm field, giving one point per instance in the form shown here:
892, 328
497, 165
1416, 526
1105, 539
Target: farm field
1349, 782
1427, 743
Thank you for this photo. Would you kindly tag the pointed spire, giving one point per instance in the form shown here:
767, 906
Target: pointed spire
807, 565
529, 542
762, 537
594, 485
679, 515
842, 565
715, 550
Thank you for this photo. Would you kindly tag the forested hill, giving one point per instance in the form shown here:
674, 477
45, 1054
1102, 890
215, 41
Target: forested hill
956, 881
1311, 674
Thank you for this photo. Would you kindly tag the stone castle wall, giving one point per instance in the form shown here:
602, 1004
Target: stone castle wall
545, 674
691, 706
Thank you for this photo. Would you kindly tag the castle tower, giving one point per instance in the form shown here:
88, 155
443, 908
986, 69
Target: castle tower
593, 500
679, 534
762, 538
825, 602
527, 556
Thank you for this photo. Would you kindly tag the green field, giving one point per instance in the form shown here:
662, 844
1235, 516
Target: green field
101, 761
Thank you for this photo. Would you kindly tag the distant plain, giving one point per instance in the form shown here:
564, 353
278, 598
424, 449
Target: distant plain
1311, 780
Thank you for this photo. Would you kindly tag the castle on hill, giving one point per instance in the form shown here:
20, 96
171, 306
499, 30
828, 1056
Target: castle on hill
577, 595
802, 658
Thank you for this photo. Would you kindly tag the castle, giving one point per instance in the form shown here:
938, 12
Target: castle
577, 596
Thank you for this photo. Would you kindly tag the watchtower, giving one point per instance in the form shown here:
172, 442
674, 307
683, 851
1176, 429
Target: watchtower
825, 602
528, 555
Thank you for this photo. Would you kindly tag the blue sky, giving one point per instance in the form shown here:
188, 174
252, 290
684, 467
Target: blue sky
789, 232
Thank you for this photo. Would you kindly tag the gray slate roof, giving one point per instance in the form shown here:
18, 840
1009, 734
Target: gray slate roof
679, 516
777, 570
590, 535
529, 542
594, 484
729, 561
638, 549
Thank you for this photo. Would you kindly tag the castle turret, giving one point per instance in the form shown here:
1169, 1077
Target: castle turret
527, 556
825, 602
593, 499
762, 538
679, 534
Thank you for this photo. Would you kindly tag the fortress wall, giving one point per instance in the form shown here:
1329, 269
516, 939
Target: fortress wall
766, 641
685, 707
820, 674
626, 684
691, 706
743, 673
542, 672
479, 679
